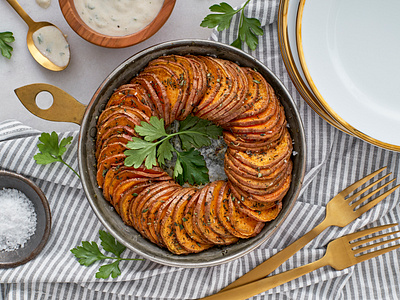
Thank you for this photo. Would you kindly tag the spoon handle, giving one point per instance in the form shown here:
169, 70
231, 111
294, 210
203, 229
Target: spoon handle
18, 8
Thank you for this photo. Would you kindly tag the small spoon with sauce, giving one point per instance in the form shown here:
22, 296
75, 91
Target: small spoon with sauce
45, 41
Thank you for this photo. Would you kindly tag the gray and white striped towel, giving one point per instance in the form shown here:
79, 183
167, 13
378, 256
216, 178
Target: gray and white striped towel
334, 160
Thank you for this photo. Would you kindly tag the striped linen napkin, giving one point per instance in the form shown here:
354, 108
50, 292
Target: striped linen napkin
334, 161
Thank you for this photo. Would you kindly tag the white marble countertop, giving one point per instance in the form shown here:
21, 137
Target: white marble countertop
89, 65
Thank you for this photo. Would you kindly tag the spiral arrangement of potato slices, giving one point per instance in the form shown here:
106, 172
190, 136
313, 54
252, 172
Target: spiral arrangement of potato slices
257, 161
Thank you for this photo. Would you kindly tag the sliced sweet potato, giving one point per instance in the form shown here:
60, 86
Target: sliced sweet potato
172, 84
147, 212
122, 110
189, 224
156, 92
223, 211
210, 212
127, 197
227, 93
117, 138
182, 235
143, 197
104, 165
117, 130
112, 149
168, 227
132, 95
214, 81
243, 223
267, 159
259, 215
183, 76
117, 122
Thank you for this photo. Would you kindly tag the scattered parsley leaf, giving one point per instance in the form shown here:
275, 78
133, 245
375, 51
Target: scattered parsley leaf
249, 28
89, 253
156, 147
194, 169
6, 38
110, 269
110, 244
52, 151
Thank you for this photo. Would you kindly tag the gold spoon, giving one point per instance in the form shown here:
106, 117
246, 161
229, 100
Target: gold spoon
33, 27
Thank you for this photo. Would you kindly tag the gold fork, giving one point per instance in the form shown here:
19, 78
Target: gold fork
340, 254
340, 211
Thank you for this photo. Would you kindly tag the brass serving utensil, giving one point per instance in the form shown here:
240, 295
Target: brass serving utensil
340, 254
33, 27
340, 211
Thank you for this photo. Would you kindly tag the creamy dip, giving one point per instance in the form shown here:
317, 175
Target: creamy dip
118, 17
51, 42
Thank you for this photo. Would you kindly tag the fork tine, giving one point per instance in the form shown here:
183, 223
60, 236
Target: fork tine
360, 234
360, 182
372, 246
356, 195
358, 202
374, 202
376, 253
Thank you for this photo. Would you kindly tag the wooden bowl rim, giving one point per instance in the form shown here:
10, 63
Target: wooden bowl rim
72, 17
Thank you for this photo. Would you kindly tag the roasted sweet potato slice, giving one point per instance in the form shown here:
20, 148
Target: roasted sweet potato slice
127, 197
223, 211
112, 111
214, 82
117, 138
267, 159
189, 224
182, 79
182, 235
210, 212
147, 212
172, 84
243, 223
252, 204
227, 93
156, 92
195, 82
136, 207
168, 227
112, 149
117, 122
104, 165
124, 130
132, 95
260, 215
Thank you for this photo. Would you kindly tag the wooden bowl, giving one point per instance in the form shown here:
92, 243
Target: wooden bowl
39, 239
79, 26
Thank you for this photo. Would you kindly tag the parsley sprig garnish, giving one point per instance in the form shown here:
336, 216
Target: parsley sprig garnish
249, 28
6, 38
156, 147
51, 151
89, 253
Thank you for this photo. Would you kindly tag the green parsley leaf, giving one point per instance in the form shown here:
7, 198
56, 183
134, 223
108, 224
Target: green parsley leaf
155, 146
110, 269
6, 38
192, 166
110, 244
141, 151
52, 151
221, 21
89, 253
153, 130
249, 28
197, 132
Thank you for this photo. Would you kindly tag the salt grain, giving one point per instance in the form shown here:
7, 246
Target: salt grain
17, 219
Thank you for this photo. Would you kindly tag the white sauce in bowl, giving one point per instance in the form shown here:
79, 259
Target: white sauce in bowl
43, 3
51, 42
118, 17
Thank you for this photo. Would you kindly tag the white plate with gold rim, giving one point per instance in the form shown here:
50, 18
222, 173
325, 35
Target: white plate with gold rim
348, 50
287, 39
